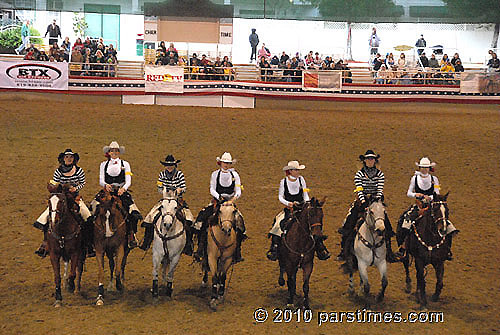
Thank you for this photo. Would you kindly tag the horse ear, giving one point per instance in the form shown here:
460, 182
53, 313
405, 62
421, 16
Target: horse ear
322, 201
446, 195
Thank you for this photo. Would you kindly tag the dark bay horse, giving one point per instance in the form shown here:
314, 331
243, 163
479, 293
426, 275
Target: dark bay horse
297, 247
64, 237
110, 238
427, 243
221, 244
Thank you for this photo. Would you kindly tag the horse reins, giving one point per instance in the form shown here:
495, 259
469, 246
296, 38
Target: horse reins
52, 231
302, 254
372, 247
164, 238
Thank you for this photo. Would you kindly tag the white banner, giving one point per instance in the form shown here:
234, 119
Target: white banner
34, 75
226, 34
150, 31
164, 79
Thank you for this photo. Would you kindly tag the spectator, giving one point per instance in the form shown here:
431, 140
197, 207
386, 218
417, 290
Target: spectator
171, 48
377, 63
172, 58
161, 58
455, 58
317, 59
402, 61
389, 61
444, 60
76, 59
194, 60
111, 60
493, 63
421, 44
288, 73
458, 66
433, 62
418, 77
228, 69
162, 47
52, 59
264, 65
275, 60
447, 67
254, 41
204, 60
111, 52
43, 56
54, 32
424, 61
87, 44
404, 79
66, 49
284, 59
309, 59
374, 42
54, 50
264, 52
25, 38
381, 75
78, 44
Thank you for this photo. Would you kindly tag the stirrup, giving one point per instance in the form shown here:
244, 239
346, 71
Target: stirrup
133, 243
42, 252
323, 255
272, 254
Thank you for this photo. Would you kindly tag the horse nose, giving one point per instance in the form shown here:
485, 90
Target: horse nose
380, 232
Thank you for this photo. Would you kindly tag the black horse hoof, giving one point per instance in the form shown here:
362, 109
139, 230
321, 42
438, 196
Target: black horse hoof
435, 298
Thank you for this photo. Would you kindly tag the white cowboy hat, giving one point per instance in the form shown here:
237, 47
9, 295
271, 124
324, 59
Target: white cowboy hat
113, 145
425, 163
294, 165
226, 158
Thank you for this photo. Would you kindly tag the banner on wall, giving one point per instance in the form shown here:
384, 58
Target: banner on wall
225, 34
34, 75
165, 78
151, 31
322, 80
480, 83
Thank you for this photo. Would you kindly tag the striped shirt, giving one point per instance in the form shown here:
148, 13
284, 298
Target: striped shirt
366, 185
77, 179
175, 181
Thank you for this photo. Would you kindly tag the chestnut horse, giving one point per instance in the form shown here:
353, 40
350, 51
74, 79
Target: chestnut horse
298, 246
110, 238
428, 244
64, 237
221, 244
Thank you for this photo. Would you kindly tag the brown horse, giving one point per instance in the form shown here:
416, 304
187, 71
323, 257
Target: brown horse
298, 246
110, 238
64, 238
221, 244
428, 244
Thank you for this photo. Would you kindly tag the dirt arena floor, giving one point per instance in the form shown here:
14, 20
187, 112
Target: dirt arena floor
462, 139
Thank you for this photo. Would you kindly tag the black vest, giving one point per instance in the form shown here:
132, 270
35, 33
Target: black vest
225, 189
120, 179
299, 197
429, 191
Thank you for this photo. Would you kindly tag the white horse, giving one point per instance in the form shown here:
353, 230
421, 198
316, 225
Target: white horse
369, 249
168, 243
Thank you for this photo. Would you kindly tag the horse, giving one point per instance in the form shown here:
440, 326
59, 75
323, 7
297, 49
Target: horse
221, 244
427, 243
298, 246
110, 238
169, 241
369, 249
64, 238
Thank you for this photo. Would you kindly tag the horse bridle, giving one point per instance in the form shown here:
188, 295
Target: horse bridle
443, 237
371, 228
52, 231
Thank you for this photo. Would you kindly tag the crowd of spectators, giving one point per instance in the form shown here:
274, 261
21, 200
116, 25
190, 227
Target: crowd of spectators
289, 69
425, 71
196, 68
89, 58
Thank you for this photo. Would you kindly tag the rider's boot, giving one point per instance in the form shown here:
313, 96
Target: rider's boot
148, 235
272, 253
42, 251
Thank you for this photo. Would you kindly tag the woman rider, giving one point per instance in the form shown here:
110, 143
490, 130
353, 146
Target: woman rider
292, 191
423, 186
67, 173
170, 179
225, 185
369, 182
115, 175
